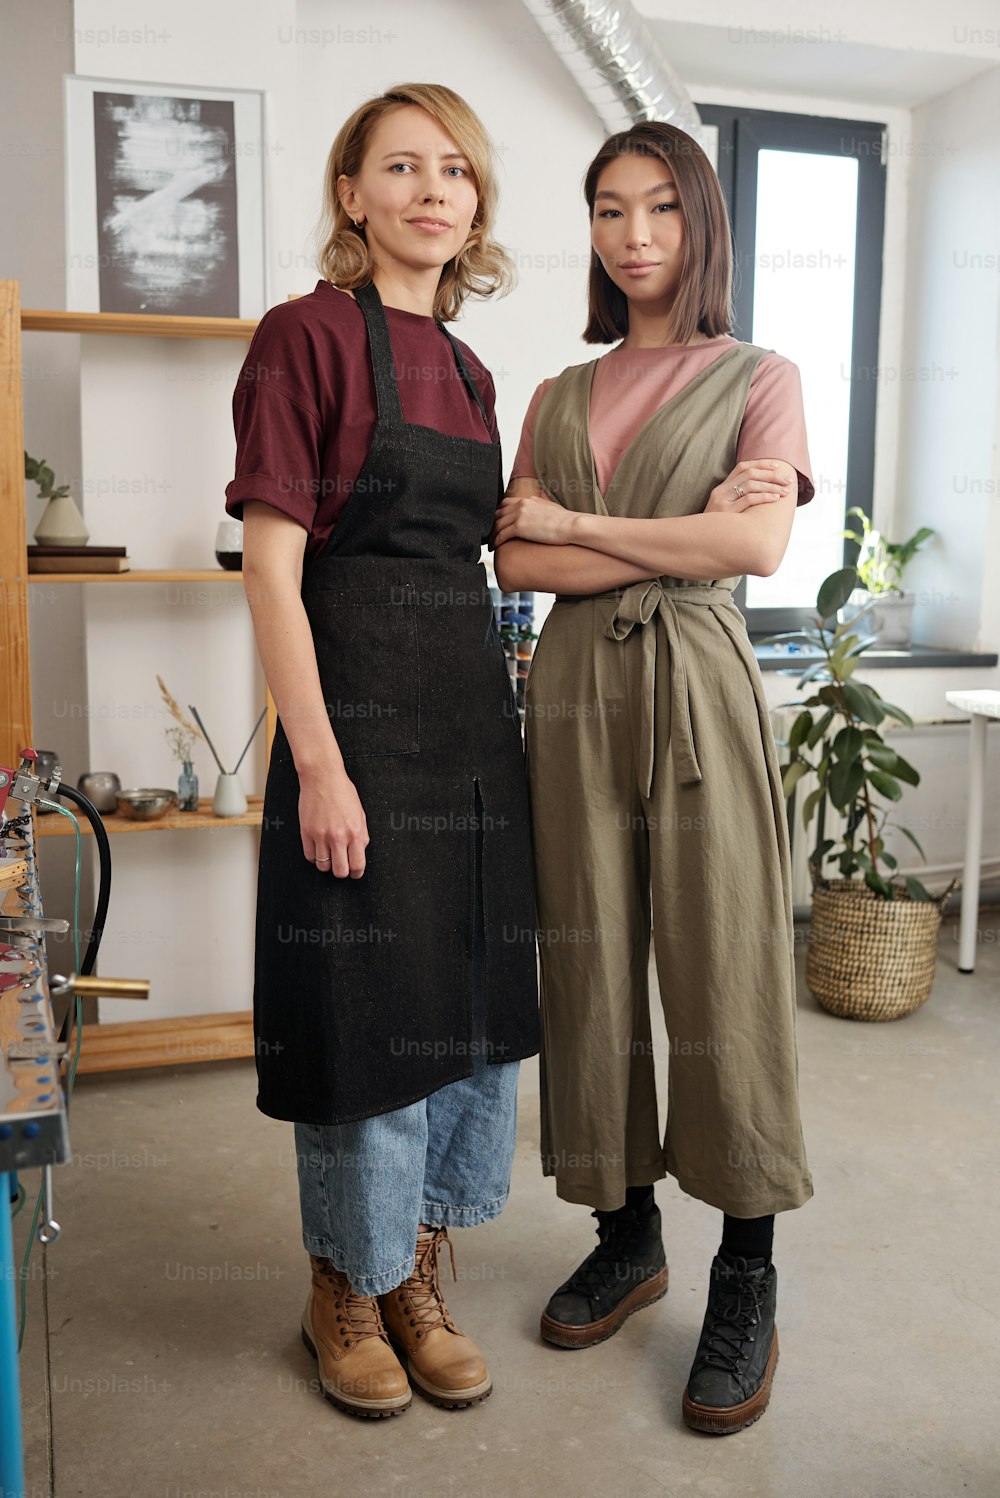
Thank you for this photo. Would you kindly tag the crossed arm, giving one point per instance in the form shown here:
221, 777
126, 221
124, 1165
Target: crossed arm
542, 546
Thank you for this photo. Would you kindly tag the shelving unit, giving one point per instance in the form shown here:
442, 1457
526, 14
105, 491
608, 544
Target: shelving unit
53, 825
141, 575
144, 1042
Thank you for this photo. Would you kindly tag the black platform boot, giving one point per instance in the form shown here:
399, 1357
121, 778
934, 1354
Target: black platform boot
730, 1380
626, 1271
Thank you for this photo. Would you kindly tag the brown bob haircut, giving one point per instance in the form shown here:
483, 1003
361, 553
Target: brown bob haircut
703, 303
482, 267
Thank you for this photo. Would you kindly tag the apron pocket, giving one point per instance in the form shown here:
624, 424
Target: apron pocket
368, 659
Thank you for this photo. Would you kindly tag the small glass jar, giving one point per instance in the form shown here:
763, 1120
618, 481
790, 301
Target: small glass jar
187, 788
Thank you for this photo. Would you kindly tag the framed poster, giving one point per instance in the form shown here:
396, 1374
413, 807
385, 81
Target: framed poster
164, 198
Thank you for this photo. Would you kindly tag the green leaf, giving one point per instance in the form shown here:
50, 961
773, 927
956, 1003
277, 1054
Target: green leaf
800, 728
882, 755
862, 645
846, 780
907, 833
877, 883
885, 785
810, 804
812, 671
916, 889
848, 743
897, 713
888, 860
835, 591
819, 729
903, 770
792, 774
861, 704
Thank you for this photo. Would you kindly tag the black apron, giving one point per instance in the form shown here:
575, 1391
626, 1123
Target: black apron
366, 996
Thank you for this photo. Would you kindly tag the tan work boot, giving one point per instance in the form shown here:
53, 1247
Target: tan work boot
358, 1370
444, 1365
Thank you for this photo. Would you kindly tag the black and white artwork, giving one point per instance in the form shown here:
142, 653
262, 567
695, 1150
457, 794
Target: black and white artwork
166, 203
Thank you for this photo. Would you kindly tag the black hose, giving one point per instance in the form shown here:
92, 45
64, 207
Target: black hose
103, 894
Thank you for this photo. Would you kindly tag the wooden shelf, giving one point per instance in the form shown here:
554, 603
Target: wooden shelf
141, 575
53, 825
106, 1047
126, 1044
137, 324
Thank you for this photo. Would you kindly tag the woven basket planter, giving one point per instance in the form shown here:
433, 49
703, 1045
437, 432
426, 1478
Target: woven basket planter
871, 958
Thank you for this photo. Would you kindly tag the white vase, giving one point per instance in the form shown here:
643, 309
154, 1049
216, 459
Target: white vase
230, 798
61, 524
890, 619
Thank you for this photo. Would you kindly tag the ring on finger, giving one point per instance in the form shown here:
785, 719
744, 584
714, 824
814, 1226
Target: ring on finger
740, 491
322, 860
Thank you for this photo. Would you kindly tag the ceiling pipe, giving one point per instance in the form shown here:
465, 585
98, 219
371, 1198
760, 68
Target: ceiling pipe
617, 62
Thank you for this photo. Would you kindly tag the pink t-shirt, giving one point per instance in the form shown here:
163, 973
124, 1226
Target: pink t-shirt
630, 385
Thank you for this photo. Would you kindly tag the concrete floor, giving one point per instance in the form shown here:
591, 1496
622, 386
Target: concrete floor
162, 1353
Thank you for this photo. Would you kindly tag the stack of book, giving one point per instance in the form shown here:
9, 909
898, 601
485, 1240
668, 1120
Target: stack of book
78, 559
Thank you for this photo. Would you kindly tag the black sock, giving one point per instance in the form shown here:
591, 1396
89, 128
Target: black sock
638, 1196
748, 1237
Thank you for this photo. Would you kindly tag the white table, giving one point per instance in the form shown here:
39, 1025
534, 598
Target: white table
980, 705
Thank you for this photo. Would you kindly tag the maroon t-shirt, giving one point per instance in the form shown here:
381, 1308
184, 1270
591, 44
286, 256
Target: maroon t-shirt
304, 404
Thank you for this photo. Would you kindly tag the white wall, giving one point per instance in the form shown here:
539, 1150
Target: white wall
158, 452
947, 475
157, 415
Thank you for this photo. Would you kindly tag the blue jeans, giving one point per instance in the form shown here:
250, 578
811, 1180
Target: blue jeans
445, 1160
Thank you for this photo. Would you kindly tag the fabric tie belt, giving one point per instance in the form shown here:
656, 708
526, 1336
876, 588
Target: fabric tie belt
639, 605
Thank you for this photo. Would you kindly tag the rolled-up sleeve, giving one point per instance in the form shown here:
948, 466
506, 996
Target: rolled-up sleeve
774, 423
278, 454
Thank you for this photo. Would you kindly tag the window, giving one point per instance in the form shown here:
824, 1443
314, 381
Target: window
806, 198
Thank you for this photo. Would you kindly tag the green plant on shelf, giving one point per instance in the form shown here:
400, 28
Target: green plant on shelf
38, 471
881, 563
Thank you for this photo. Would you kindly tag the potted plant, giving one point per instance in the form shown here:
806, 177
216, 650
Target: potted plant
880, 567
873, 936
61, 523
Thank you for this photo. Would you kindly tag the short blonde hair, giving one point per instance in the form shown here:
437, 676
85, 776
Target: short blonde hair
482, 267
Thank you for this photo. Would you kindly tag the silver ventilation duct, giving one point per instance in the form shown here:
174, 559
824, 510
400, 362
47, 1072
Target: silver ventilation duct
616, 60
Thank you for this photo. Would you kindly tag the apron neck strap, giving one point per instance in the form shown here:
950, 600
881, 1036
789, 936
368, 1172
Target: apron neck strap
386, 386
473, 388
386, 390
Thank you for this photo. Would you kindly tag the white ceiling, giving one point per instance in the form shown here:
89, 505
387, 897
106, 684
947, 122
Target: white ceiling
853, 71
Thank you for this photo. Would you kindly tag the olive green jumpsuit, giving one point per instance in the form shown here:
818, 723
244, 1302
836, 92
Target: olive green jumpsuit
655, 789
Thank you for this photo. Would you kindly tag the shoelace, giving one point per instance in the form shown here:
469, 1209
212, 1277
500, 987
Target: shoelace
598, 1270
361, 1313
726, 1344
427, 1307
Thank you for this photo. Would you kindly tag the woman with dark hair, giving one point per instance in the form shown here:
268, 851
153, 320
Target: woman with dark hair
390, 1010
646, 483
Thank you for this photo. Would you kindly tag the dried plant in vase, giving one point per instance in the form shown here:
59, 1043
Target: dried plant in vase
181, 739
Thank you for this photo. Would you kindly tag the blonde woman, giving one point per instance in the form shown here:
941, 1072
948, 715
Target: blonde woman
646, 482
390, 1012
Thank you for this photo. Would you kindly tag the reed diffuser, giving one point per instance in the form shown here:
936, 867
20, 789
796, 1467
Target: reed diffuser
230, 798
